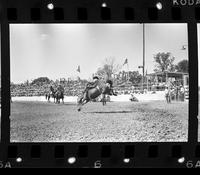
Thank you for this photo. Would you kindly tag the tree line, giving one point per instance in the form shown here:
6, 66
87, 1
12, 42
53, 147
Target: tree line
163, 62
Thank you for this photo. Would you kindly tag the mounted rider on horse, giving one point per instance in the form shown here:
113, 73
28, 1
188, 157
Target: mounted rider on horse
51, 93
95, 89
95, 84
91, 85
60, 93
56, 93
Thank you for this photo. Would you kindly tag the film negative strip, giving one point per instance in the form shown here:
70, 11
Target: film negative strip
99, 83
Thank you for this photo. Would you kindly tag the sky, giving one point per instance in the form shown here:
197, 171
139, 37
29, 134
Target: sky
56, 50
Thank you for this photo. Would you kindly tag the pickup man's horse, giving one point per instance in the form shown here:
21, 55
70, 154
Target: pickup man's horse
51, 93
59, 95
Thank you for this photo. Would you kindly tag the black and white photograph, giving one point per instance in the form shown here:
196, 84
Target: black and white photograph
100, 82
198, 29
0, 85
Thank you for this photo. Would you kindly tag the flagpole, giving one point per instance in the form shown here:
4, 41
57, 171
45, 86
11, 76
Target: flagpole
128, 71
147, 81
143, 56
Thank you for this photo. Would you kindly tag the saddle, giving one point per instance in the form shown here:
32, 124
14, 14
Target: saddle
91, 85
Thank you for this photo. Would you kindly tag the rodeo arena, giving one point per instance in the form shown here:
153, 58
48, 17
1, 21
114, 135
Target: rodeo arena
155, 109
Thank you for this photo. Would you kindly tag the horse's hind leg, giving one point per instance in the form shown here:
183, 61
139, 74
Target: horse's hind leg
80, 104
80, 101
84, 102
79, 107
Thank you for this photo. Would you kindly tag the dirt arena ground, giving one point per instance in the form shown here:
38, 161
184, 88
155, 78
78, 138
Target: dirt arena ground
116, 122
199, 117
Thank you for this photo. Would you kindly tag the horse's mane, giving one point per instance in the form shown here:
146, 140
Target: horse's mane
102, 85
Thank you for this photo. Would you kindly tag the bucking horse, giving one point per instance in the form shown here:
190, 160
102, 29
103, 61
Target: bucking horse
101, 90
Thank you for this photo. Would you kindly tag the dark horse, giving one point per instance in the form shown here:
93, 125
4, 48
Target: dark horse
59, 95
51, 93
93, 93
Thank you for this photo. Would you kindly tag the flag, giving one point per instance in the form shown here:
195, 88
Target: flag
79, 69
126, 62
184, 47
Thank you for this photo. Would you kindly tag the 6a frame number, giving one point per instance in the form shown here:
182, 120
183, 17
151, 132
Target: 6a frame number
193, 164
5, 165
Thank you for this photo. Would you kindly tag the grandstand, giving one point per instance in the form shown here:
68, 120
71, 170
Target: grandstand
76, 87
72, 88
